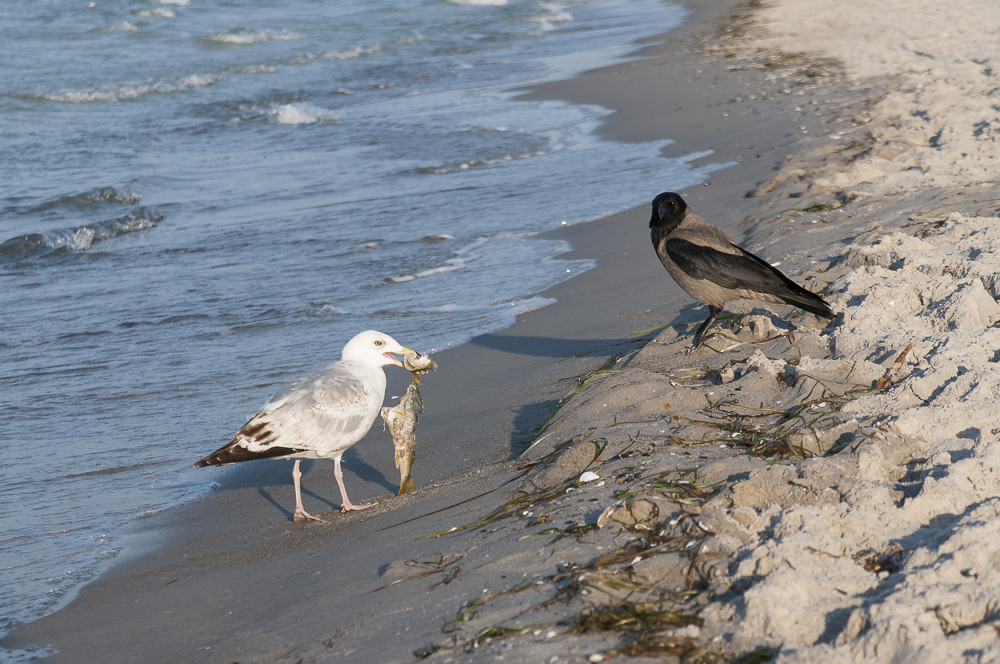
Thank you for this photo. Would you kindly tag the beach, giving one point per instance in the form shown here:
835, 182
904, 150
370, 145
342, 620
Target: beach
800, 491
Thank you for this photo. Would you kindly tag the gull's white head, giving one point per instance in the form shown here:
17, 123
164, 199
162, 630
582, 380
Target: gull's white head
375, 348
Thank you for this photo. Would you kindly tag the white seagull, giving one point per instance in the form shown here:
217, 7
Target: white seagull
320, 415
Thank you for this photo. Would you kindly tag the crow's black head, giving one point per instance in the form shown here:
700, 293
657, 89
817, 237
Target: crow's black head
668, 211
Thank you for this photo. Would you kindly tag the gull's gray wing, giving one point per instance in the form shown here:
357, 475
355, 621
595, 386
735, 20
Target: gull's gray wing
316, 415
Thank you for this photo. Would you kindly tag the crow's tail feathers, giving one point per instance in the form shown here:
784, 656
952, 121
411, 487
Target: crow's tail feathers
808, 301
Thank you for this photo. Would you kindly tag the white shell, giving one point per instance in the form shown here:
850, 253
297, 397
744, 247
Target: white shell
589, 476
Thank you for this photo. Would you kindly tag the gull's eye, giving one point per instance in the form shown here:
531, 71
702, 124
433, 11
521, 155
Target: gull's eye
378, 342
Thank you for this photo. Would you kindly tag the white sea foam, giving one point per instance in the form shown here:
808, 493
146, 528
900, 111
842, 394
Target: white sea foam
466, 165
517, 307
122, 26
179, 3
246, 37
325, 309
411, 39
252, 69
162, 12
695, 156
554, 13
82, 238
452, 265
119, 92
300, 113
351, 53
345, 54
510, 307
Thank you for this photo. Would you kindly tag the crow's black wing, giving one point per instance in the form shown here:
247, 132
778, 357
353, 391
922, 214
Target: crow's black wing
742, 271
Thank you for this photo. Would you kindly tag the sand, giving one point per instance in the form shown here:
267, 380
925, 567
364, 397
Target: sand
800, 490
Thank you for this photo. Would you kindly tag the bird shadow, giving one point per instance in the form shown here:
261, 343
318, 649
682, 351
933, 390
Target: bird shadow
266, 495
279, 473
548, 346
353, 462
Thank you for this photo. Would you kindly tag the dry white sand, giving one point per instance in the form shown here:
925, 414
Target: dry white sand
927, 478
936, 118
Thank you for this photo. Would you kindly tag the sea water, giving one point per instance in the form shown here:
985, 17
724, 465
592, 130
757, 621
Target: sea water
202, 200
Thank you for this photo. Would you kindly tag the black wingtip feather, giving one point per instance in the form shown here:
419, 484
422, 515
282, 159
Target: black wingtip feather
809, 301
234, 453
795, 295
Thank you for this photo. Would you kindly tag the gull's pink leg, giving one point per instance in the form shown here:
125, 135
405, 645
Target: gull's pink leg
346, 504
300, 513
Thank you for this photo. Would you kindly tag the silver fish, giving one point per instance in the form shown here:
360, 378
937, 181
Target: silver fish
402, 419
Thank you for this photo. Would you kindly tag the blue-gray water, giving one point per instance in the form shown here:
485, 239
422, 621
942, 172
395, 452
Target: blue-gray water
201, 200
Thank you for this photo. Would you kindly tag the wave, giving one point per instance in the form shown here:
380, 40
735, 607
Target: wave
463, 256
466, 165
351, 53
122, 26
451, 265
131, 91
78, 239
300, 113
128, 91
162, 12
482, 3
510, 307
93, 197
246, 36
695, 156
553, 13
521, 306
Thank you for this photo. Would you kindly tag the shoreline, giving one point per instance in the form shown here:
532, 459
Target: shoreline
222, 539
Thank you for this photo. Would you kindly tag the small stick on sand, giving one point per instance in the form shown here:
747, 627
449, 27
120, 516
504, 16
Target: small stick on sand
886, 379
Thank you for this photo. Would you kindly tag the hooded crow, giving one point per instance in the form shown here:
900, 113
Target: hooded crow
711, 269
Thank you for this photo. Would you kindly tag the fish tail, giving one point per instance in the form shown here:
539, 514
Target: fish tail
406, 486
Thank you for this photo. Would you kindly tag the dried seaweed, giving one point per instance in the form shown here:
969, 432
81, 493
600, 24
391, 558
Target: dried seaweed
888, 559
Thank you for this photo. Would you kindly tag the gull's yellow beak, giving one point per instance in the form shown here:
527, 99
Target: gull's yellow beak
405, 350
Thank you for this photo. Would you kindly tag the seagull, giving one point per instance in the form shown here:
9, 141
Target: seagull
713, 270
320, 415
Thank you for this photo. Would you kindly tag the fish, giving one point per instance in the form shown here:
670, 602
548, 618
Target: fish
418, 365
402, 419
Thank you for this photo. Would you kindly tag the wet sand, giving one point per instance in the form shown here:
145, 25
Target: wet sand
231, 578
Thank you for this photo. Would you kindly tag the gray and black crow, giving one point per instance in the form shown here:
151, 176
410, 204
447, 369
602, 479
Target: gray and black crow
711, 269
